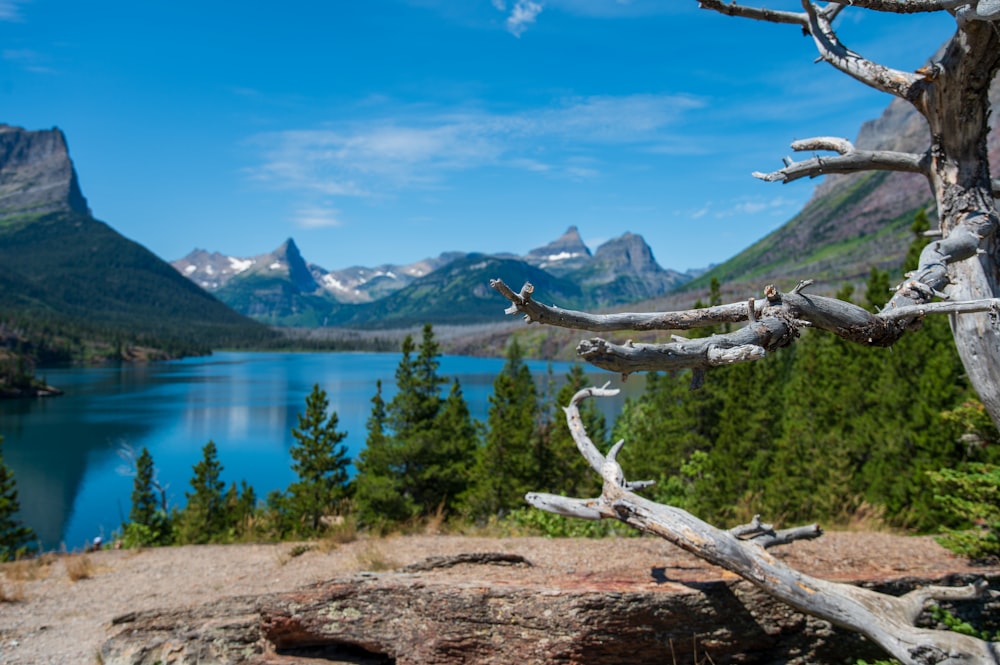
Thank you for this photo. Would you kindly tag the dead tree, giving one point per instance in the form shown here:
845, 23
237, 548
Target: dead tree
958, 275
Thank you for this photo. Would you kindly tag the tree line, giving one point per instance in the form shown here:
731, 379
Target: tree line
824, 430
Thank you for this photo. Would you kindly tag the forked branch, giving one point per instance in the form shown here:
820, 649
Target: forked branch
849, 160
886, 620
772, 324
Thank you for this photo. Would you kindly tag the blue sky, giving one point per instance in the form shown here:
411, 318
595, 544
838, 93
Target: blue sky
377, 131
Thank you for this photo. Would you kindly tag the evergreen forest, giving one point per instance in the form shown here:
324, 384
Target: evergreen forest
824, 430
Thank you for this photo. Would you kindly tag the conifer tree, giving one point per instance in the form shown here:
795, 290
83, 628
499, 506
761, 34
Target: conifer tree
143, 499
454, 453
666, 425
241, 508
15, 537
320, 463
726, 480
505, 467
378, 497
203, 519
149, 523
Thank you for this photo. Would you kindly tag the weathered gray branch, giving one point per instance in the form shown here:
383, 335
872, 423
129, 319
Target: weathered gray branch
967, 10
773, 323
880, 77
757, 13
886, 620
904, 6
850, 160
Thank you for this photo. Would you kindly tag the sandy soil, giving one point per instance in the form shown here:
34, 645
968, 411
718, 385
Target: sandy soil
59, 609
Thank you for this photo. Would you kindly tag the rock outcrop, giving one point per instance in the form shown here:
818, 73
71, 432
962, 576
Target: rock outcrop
36, 173
422, 619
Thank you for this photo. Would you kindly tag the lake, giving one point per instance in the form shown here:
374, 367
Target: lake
65, 451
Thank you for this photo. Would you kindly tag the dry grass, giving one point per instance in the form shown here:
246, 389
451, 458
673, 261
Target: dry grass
79, 567
338, 532
27, 570
12, 592
373, 560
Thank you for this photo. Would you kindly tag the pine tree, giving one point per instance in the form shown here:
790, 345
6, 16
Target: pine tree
419, 445
665, 425
143, 499
378, 496
505, 467
15, 537
241, 509
149, 523
203, 519
454, 453
320, 463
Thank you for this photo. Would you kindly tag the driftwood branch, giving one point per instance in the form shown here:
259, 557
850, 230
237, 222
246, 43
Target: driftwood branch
773, 322
849, 160
886, 620
817, 21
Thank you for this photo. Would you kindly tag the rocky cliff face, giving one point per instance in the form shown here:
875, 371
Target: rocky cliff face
36, 173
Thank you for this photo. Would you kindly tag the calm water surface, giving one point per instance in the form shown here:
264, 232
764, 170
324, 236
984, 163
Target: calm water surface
64, 451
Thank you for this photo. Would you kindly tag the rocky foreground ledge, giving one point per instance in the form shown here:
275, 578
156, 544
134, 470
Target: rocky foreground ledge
643, 602
447, 599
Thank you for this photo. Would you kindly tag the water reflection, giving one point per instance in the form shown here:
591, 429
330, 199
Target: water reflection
64, 451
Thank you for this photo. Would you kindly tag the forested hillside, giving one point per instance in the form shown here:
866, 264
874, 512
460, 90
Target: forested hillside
73, 288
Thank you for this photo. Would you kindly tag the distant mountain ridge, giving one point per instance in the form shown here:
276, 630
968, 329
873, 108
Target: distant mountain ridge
281, 287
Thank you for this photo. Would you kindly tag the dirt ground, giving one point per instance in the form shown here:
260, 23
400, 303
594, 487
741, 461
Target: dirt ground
58, 609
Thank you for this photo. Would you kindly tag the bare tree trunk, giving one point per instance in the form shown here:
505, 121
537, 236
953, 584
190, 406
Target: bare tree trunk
962, 268
956, 105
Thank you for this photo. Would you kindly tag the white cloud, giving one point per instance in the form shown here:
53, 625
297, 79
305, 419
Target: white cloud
524, 13
381, 156
314, 217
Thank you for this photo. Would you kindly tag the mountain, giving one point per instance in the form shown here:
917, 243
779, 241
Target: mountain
457, 294
69, 277
623, 270
36, 174
561, 256
213, 271
274, 287
852, 222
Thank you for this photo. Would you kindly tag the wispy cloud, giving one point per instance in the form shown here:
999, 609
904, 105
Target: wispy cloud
9, 10
33, 61
756, 206
316, 217
381, 156
524, 13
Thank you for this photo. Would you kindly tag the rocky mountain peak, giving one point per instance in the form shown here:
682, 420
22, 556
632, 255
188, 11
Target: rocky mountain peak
36, 173
288, 260
628, 252
562, 255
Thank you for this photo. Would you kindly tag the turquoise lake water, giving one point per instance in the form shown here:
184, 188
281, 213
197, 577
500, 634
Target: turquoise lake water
64, 451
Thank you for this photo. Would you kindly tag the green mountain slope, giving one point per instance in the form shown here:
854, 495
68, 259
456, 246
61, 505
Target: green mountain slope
458, 294
75, 274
